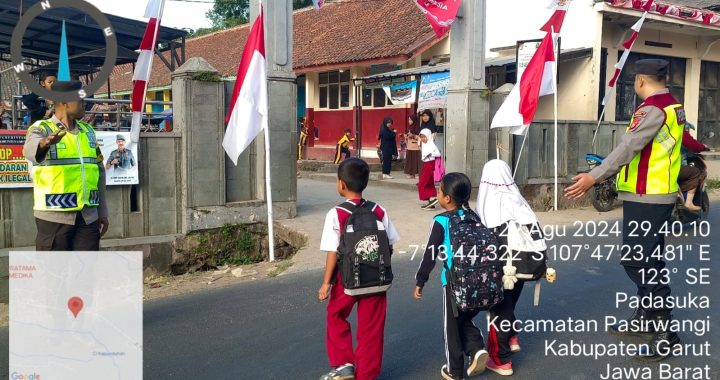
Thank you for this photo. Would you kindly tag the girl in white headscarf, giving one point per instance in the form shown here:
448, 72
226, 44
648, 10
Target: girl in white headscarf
499, 202
426, 185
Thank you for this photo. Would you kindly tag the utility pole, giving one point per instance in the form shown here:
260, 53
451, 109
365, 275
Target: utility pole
282, 103
467, 126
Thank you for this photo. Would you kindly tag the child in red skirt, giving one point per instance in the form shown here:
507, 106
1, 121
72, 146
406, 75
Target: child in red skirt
426, 185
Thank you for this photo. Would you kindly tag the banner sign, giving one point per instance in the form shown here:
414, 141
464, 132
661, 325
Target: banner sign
120, 163
402, 93
121, 166
13, 166
433, 90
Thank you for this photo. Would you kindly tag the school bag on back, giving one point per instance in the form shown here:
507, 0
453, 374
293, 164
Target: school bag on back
475, 277
364, 252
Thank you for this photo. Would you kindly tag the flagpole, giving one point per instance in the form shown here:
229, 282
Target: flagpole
555, 83
268, 182
527, 132
597, 129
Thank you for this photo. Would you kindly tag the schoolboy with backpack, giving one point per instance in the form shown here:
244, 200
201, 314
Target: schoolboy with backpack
358, 237
471, 275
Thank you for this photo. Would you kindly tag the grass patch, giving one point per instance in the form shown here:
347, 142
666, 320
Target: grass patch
280, 266
712, 184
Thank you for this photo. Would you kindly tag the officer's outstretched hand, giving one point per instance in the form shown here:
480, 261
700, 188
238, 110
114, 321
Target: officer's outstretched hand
52, 139
104, 224
583, 182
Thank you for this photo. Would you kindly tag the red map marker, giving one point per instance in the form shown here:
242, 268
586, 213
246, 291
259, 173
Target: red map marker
75, 304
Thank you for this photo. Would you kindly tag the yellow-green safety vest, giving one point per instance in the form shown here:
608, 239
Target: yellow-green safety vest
655, 169
67, 180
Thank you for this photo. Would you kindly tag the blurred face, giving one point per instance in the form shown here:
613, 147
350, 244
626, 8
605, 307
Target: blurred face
48, 81
444, 200
425, 118
75, 110
423, 138
121, 144
389, 124
410, 121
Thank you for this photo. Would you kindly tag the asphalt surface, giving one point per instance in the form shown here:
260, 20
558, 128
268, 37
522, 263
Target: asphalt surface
275, 328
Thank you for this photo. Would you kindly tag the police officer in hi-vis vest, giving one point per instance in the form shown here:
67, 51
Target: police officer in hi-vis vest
647, 163
68, 178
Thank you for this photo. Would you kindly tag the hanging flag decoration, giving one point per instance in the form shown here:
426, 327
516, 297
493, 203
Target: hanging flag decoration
440, 13
520, 106
318, 4
701, 16
627, 45
556, 20
143, 67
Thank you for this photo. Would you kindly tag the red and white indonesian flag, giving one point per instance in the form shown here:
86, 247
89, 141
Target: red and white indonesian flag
627, 45
440, 13
143, 67
556, 20
249, 106
537, 80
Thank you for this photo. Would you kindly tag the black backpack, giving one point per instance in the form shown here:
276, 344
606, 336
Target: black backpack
475, 278
364, 252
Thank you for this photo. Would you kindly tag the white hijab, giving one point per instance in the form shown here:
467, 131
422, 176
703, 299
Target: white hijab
499, 199
429, 149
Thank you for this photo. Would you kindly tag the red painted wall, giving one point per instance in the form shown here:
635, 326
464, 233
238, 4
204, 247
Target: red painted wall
332, 123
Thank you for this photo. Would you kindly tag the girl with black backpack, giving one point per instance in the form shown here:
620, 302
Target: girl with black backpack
471, 275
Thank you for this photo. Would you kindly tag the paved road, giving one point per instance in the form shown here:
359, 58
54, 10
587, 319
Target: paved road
274, 329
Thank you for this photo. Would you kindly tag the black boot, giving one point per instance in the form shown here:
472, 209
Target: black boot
663, 340
635, 325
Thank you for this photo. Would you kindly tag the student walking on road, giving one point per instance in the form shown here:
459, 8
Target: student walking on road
365, 362
454, 236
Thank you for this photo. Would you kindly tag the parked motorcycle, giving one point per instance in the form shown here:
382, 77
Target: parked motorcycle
603, 194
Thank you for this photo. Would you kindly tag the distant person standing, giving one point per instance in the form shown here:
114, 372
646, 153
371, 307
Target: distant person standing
121, 158
69, 179
412, 157
427, 121
302, 142
388, 145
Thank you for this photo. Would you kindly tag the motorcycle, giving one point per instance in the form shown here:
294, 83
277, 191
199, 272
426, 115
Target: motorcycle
603, 194
682, 213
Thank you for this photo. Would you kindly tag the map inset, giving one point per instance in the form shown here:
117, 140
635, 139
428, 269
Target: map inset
76, 315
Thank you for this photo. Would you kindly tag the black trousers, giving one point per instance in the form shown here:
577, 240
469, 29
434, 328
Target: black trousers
339, 151
462, 337
499, 340
634, 214
387, 159
64, 237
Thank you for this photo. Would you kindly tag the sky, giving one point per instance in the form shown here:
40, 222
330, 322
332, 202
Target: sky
523, 17
177, 14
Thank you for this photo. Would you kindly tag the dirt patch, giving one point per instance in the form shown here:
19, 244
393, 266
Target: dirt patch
166, 286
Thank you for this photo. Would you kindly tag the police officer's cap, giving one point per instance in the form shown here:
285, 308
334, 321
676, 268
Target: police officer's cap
66, 86
120, 137
655, 67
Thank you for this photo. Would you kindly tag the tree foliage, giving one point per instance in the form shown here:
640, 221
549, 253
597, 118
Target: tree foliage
229, 13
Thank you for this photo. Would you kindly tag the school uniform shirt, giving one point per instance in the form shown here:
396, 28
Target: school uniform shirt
335, 221
344, 141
